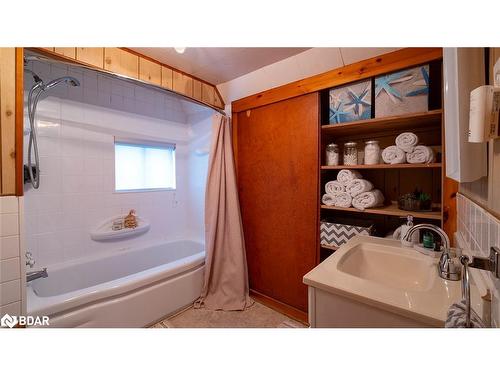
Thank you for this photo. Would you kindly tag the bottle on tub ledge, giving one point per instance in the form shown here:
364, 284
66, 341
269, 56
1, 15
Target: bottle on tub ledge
117, 224
130, 221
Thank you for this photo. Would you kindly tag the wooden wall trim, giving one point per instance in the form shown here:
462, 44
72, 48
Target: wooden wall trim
281, 307
172, 68
234, 138
7, 121
176, 70
392, 61
449, 213
219, 104
19, 120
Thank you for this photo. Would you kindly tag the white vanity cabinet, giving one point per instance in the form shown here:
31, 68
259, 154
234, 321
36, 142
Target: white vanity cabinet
330, 310
374, 282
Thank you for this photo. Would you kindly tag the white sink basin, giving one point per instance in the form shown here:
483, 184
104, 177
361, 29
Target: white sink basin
393, 269
382, 274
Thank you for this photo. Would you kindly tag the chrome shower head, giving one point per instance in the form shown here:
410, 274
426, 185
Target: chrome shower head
34, 95
68, 80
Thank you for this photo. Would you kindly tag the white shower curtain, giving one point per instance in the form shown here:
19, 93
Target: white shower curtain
226, 276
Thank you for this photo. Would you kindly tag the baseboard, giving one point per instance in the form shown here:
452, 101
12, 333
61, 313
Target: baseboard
281, 307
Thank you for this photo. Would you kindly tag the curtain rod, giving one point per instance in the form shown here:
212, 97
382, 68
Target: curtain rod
35, 56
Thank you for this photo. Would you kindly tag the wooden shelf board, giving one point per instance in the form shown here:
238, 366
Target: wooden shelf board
329, 247
390, 210
382, 166
411, 121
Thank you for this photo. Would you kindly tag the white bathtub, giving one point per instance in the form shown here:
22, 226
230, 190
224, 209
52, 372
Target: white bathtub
127, 288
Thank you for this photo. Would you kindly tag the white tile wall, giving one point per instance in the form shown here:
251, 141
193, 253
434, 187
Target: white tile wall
9, 270
14, 308
76, 142
99, 89
197, 167
480, 230
10, 291
11, 267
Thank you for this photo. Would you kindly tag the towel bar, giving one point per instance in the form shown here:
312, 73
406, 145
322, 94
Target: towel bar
464, 259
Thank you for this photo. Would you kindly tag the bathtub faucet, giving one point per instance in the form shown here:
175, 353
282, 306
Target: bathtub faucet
33, 275
30, 261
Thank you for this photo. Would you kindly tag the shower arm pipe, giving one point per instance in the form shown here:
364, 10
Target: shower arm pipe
43, 56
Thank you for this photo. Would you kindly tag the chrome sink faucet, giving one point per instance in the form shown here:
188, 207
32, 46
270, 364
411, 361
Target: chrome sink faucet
447, 269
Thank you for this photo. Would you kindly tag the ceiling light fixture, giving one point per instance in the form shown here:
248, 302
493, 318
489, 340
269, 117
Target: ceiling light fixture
180, 49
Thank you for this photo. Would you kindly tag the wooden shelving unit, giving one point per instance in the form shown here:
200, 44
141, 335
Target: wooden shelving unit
418, 120
390, 210
326, 251
382, 166
392, 179
329, 247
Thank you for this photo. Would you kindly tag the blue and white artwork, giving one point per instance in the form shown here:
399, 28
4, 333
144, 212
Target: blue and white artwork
402, 92
350, 103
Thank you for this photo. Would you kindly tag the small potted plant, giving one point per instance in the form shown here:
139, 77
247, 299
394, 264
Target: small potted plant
416, 201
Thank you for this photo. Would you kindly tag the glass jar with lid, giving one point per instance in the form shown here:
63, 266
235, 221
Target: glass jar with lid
372, 152
350, 153
332, 154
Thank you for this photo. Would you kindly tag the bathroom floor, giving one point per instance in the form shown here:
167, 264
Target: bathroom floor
257, 316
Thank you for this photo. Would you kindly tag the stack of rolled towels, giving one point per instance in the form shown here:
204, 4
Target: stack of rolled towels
407, 150
350, 189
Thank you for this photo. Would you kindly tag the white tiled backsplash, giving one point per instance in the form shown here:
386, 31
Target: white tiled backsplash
11, 266
479, 231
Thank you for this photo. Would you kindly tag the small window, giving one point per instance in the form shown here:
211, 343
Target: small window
144, 165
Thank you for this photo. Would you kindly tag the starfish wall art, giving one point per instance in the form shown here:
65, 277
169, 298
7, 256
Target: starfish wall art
350, 103
402, 92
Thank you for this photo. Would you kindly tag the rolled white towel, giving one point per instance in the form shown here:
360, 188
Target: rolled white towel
334, 187
347, 175
368, 199
358, 186
343, 200
329, 199
421, 154
407, 141
393, 155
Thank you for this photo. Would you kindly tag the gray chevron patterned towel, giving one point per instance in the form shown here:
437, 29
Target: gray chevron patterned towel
339, 234
457, 317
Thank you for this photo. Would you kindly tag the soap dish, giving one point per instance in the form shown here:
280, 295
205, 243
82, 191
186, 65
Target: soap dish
105, 232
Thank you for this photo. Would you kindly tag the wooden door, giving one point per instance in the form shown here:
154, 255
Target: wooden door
277, 165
